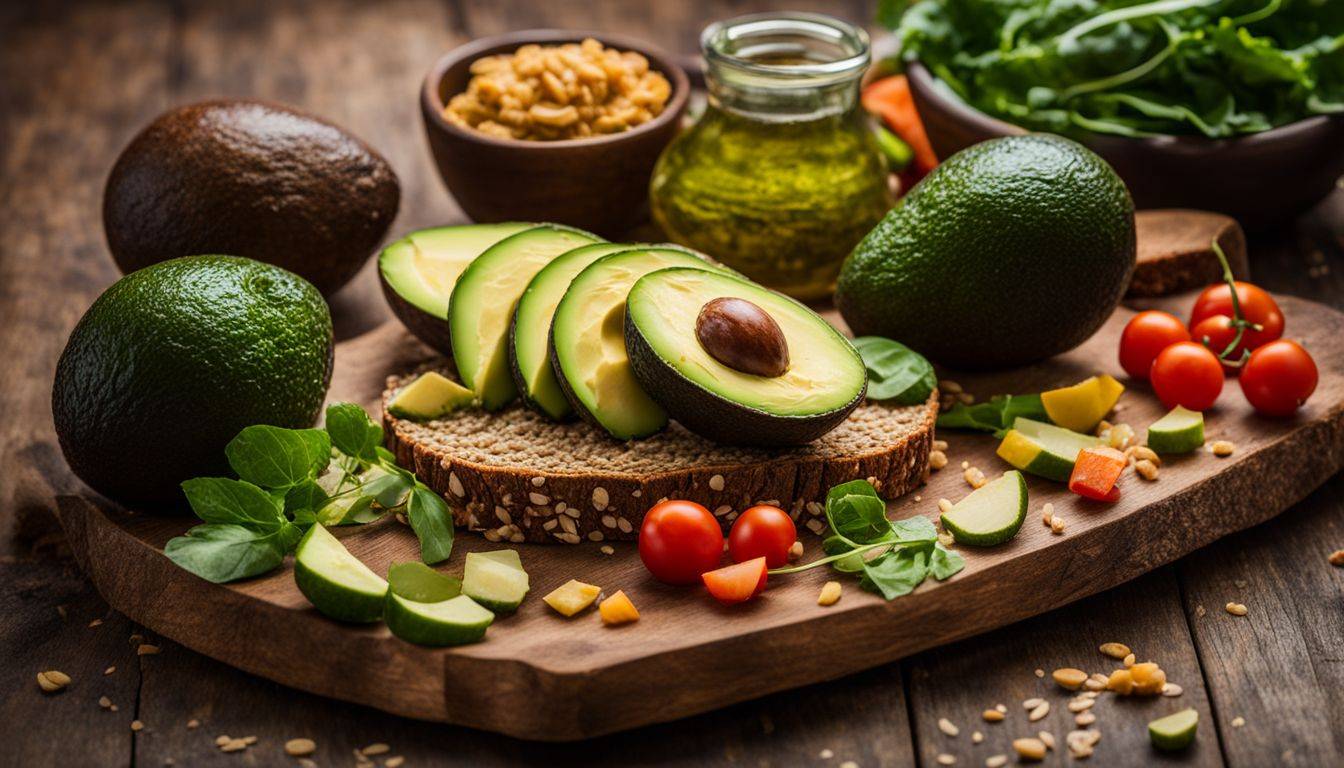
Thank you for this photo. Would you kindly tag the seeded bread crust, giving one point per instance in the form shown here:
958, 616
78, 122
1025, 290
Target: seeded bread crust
517, 476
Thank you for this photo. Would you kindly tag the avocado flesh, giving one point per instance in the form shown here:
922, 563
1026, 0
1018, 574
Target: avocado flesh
824, 381
418, 273
481, 306
529, 353
588, 341
1026, 243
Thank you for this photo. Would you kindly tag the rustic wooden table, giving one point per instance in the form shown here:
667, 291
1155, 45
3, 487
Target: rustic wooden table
78, 79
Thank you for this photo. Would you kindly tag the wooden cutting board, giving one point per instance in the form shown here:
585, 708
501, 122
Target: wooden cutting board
540, 676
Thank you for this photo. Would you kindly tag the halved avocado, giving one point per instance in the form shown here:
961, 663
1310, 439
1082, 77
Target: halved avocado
529, 353
588, 341
418, 273
804, 383
481, 306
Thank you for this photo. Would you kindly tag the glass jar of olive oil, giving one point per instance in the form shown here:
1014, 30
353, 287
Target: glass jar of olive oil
781, 177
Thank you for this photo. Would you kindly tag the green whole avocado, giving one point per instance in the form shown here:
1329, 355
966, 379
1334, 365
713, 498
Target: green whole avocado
173, 360
1011, 251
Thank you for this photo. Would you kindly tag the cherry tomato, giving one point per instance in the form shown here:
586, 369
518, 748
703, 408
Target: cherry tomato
762, 531
737, 583
1279, 378
1257, 307
1147, 334
680, 540
1217, 332
1187, 374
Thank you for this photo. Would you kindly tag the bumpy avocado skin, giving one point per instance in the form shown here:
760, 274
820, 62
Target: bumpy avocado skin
1011, 251
250, 178
173, 360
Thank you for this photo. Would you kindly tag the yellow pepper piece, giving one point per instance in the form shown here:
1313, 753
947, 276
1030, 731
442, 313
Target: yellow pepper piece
571, 597
617, 609
1082, 406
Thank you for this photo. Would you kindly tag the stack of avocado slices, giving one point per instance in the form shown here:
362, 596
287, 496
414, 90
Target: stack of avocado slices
624, 336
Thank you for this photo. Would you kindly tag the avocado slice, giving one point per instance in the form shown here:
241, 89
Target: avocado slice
991, 514
588, 341
429, 397
482, 303
495, 580
800, 388
336, 582
1180, 431
529, 347
1043, 449
456, 621
418, 273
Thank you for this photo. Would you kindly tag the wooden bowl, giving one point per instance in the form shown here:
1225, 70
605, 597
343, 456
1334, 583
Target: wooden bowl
1262, 179
600, 184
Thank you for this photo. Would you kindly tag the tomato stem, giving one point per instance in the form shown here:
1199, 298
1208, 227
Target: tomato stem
1238, 320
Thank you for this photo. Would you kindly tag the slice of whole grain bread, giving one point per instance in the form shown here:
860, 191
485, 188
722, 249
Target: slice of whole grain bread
518, 476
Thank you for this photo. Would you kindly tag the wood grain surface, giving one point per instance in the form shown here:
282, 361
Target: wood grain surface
80, 77
538, 676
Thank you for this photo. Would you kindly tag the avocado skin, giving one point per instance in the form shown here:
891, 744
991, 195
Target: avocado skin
433, 331
254, 179
715, 417
1011, 251
173, 360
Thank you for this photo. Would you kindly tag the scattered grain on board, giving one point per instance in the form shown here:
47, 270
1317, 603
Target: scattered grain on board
378, 748
1337, 558
946, 759
1047, 513
937, 460
1047, 738
948, 727
1039, 712
977, 737
1084, 719
300, 747
1069, 678
1172, 690
1222, 448
1236, 609
1128, 661
1238, 721
1146, 469
1114, 650
830, 593
1029, 749
992, 716
1040, 673
996, 761
52, 681
1057, 526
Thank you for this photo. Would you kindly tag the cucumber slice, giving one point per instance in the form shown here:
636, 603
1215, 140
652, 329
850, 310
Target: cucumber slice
336, 582
1180, 431
492, 580
448, 622
991, 514
1176, 731
1043, 449
508, 557
430, 396
417, 581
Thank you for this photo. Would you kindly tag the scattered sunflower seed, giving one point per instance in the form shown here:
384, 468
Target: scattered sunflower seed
947, 727
1236, 609
1039, 712
300, 747
52, 680
1114, 650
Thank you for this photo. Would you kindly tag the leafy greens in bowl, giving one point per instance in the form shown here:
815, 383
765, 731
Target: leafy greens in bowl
1212, 68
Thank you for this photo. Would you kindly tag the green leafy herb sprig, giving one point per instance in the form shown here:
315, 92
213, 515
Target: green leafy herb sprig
896, 373
994, 415
891, 557
291, 479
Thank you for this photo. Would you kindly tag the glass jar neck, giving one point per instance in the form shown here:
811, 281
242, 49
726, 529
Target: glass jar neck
784, 67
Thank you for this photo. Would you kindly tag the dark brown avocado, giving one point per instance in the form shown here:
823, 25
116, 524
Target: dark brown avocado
254, 179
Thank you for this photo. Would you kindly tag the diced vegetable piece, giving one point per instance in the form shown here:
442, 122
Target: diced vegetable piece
1175, 731
455, 621
617, 609
1043, 449
737, 583
417, 581
1180, 431
491, 579
571, 597
430, 396
507, 557
991, 514
336, 582
1095, 473
890, 97
1082, 406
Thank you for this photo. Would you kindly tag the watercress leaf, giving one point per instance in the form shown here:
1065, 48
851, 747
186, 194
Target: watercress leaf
223, 500
389, 490
360, 512
859, 518
432, 521
220, 553
273, 457
896, 573
852, 488
895, 372
353, 432
944, 562
914, 530
306, 496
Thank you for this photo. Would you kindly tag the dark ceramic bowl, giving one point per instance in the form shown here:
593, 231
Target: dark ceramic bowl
1262, 179
599, 184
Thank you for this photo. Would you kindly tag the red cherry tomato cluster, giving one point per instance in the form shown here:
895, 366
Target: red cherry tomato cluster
680, 543
1186, 363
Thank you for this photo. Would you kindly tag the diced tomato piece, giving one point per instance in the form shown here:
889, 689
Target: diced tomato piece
736, 583
1095, 473
890, 98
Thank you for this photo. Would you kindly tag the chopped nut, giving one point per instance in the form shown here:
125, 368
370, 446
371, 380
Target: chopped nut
1128, 661
1083, 719
1069, 678
1029, 749
937, 460
830, 593
394, 762
1047, 513
992, 716
946, 759
947, 727
1047, 738
1121, 682
974, 477
1032, 703
300, 747
1039, 712
222, 739
233, 745
977, 737
145, 649
1148, 678
1080, 705
1001, 708
996, 761
1337, 558
52, 680
1238, 721
1146, 469
136, 725
378, 748
1040, 673
1057, 525
1114, 650
1094, 685
944, 506
1236, 609
1172, 690
193, 724
940, 445
1222, 448
104, 702
796, 550
1144, 453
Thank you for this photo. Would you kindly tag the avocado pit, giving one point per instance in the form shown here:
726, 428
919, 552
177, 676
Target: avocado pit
743, 337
